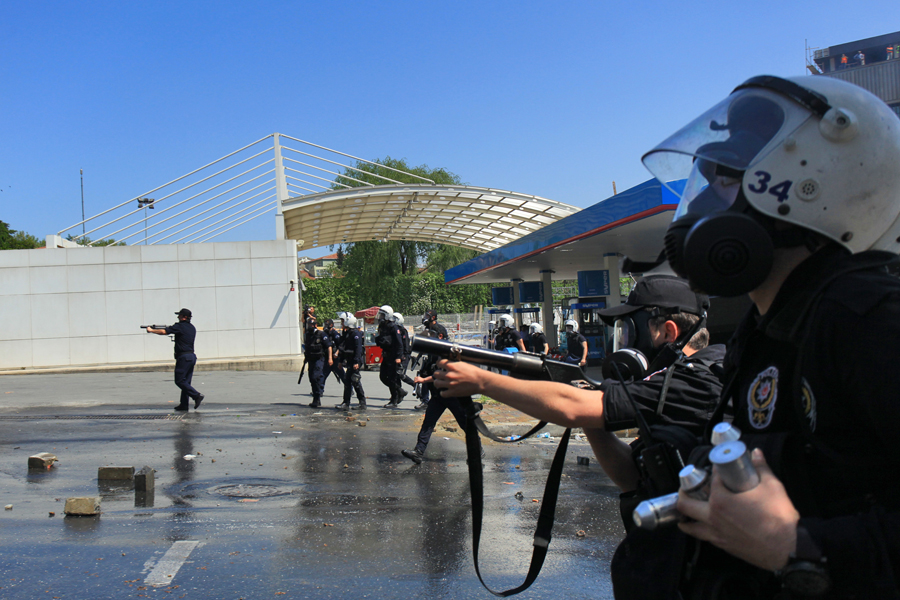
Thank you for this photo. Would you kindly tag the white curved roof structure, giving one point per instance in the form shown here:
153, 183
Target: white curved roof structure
265, 176
472, 217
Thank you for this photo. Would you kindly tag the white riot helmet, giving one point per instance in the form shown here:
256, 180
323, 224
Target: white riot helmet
397, 318
384, 314
535, 328
573, 324
815, 152
492, 325
349, 321
506, 321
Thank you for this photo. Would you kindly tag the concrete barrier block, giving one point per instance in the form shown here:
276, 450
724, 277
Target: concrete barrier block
145, 480
116, 473
86, 506
42, 460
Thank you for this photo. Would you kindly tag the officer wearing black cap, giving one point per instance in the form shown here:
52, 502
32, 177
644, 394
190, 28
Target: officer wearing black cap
662, 347
185, 359
318, 348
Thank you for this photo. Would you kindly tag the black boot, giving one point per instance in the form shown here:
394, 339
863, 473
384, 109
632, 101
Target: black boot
316, 403
362, 404
392, 403
344, 406
413, 455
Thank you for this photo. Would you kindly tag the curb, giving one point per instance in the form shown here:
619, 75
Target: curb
279, 363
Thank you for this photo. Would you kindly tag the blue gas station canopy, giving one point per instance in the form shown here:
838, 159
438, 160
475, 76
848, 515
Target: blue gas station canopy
631, 223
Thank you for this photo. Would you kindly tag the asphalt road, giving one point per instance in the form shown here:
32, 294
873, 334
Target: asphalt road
259, 496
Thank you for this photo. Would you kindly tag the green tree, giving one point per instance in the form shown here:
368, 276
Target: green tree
10, 239
387, 259
86, 241
372, 273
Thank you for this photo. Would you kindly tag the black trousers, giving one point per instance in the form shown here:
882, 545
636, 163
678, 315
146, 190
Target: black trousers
436, 407
387, 373
316, 367
335, 368
352, 381
184, 373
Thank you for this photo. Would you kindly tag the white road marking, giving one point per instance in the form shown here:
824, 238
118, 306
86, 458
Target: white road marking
167, 567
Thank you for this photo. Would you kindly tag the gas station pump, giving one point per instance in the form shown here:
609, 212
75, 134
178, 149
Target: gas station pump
594, 330
593, 296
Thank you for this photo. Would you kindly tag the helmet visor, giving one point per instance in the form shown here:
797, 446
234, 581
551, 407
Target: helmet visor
710, 154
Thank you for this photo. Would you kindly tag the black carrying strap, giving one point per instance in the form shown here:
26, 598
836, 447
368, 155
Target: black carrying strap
483, 430
548, 502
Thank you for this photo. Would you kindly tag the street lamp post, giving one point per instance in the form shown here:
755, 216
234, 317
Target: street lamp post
145, 203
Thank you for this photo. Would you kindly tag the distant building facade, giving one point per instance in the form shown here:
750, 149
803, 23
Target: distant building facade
872, 63
316, 267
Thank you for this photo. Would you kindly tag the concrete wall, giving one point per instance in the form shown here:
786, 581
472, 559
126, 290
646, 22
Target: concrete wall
83, 306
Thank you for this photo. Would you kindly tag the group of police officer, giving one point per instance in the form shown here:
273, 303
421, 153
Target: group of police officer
328, 351
342, 353
789, 193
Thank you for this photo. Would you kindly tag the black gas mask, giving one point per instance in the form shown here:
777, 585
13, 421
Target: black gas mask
634, 356
727, 253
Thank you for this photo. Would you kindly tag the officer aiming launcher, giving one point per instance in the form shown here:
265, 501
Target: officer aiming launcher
522, 365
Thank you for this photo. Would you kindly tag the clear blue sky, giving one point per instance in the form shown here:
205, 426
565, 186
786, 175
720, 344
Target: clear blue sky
556, 99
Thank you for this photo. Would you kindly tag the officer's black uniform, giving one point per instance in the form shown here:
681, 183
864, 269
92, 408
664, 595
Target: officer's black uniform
391, 343
436, 407
185, 360
507, 339
646, 558
693, 394
336, 341
317, 345
538, 340
353, 352
575, 349
829, 431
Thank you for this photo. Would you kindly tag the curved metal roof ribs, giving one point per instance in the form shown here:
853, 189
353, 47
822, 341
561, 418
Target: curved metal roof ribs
298, 185
472, 217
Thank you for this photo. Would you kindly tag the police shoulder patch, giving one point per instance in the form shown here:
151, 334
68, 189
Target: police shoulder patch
761, 398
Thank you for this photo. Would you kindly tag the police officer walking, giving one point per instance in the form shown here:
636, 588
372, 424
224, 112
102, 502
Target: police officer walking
336, 337
397, 319
353, 354
431, 329
318, 350
507, 336
576, 344
539, 343
391, 343
793, 197
435, 408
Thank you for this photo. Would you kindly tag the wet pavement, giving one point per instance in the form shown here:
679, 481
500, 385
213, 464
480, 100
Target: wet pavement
259, 496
